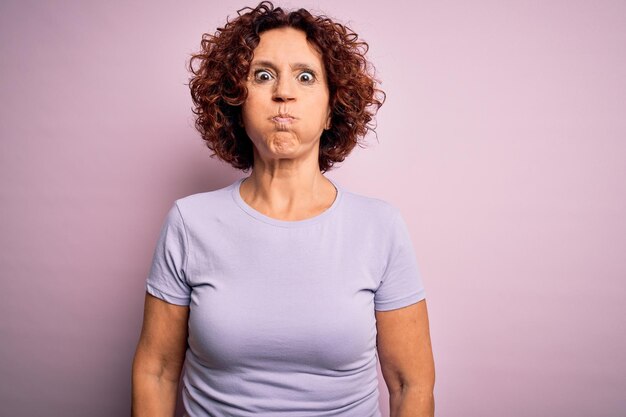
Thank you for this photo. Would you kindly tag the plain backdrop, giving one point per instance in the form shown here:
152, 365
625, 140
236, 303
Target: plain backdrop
502, 141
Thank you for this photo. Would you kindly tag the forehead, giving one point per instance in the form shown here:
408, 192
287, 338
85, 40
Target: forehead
286, 44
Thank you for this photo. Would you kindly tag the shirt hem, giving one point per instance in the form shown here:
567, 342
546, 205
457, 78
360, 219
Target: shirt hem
172, 299
403, 302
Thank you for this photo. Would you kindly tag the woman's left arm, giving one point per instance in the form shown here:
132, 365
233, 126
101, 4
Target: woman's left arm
406, 360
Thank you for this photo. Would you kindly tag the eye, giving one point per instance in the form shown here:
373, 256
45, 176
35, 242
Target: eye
307, 77
262, 75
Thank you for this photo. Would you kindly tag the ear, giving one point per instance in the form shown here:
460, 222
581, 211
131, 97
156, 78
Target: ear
328, 121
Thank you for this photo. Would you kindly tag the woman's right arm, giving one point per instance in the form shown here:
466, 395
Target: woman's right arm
159, 358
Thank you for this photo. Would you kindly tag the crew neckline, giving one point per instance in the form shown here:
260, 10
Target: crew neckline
284, 223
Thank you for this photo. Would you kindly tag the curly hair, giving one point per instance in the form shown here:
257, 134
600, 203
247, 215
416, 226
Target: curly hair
218, 83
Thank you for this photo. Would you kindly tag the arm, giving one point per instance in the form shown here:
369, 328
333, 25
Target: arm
159, 358
406, 360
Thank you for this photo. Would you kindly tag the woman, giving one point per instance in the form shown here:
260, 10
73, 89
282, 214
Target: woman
279, 292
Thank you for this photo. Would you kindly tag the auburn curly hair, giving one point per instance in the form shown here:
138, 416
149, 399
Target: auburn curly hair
218, 83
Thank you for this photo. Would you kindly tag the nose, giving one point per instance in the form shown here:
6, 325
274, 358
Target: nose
284, 90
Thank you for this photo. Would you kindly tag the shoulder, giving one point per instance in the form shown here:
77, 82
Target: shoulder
369, 209
199, 204
371, 222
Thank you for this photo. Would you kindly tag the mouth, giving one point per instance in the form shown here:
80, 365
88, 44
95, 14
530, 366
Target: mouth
283, 119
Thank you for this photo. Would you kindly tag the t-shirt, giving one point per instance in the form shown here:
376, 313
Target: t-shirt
281, 319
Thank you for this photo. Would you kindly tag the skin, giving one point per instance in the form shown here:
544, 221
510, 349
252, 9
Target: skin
406, 360
286, 184
159, 358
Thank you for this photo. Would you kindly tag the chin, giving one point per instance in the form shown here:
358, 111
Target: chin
284, 146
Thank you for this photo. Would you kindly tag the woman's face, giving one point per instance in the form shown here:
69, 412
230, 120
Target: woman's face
286, 78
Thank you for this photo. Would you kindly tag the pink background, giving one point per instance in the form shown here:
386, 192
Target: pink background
503, 142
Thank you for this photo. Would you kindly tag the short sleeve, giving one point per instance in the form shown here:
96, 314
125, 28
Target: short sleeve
167, 278
401, 283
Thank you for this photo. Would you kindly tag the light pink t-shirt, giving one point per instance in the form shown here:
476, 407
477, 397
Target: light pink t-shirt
282, 312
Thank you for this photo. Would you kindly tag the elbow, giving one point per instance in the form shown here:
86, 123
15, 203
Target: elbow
156, 367
422, 384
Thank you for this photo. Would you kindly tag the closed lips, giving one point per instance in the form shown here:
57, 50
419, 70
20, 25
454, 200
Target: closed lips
283, 119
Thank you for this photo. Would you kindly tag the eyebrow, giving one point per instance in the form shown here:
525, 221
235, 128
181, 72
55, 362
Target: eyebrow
297, 65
